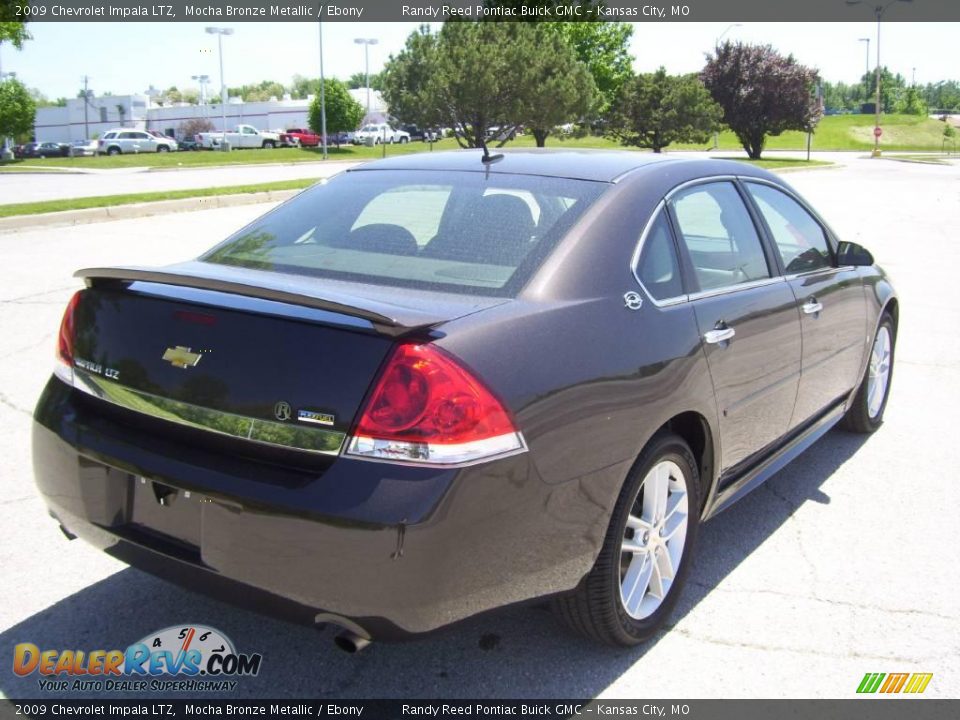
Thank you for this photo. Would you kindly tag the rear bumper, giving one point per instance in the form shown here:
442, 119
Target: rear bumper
396, 550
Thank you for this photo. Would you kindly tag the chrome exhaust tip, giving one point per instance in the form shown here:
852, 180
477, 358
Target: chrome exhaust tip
350, 642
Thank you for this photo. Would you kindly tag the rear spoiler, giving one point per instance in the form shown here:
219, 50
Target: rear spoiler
386, 318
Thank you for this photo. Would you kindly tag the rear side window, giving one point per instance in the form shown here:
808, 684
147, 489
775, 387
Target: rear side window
799, 238
469, 232
719, 236
658, 268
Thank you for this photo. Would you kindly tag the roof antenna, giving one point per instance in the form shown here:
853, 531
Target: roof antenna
487, 158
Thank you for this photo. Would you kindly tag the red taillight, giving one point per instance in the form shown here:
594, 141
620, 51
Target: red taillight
427, 407
63, 368
66, 334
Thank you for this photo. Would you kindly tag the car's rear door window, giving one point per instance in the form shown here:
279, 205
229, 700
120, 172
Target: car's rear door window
800, 239
454, 231
658, 268
719, 235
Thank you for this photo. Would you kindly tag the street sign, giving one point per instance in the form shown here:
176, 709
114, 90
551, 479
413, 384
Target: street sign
877, 132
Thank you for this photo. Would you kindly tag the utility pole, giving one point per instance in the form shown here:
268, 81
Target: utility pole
323, 95
86, 102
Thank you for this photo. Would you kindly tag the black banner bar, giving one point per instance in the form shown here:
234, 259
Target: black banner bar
236, 11
857, 709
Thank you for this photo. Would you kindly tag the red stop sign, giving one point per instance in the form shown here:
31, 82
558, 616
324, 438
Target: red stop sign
877, 132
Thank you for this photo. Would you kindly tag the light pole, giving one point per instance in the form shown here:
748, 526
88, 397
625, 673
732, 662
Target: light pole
366, 42
867, 61
878, 10
323, 94
202, 80
220, 32
716, 48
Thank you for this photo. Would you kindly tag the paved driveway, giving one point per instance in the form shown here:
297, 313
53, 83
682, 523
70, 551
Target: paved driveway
845, 562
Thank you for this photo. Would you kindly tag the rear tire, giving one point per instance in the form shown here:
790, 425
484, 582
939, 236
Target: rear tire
634, 584
268, 145
865, 414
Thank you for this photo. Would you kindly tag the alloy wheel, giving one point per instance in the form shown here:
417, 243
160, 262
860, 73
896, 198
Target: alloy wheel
653, 540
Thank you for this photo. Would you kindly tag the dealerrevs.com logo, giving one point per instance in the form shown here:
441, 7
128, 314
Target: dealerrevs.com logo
187, 658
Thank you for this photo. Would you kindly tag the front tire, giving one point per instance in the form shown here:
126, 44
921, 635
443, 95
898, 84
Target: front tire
268, 145
162, 148
645, 557
865, 414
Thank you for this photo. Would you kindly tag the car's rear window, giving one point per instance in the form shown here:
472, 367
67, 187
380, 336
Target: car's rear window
468, 232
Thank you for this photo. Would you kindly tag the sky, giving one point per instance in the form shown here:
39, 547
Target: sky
130, 57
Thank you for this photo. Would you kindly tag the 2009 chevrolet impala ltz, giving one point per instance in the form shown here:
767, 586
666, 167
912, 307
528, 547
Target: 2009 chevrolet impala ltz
443, 383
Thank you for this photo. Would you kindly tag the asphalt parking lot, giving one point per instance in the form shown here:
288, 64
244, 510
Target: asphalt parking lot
846, 562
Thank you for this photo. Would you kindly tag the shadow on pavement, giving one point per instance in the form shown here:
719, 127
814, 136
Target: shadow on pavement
513, 653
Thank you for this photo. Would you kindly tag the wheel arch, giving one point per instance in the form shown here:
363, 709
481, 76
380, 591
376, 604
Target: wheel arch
695, 430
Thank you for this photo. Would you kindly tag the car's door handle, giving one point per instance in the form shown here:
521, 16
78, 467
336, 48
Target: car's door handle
719, 335
812, 306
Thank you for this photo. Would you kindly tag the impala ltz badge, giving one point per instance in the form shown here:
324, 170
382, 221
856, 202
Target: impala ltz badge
181, 357
282, 411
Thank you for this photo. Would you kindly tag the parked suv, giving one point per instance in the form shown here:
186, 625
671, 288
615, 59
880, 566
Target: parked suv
130, 140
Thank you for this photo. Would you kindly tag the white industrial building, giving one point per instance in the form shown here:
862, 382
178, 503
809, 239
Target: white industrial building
74, 122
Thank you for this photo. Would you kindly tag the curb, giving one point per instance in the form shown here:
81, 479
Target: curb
138, 210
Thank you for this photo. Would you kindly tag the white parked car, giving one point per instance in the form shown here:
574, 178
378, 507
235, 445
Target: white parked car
377, 133
242, 136
131, 140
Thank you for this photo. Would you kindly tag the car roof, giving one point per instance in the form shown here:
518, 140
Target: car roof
580, 164
596, 165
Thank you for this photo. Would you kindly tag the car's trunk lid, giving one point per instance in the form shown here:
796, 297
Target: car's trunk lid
258, 356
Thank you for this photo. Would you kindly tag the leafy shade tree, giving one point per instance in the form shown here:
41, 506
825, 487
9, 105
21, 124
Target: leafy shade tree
891, 89
343, 112
761, 92
654, 110
911, 102
359, 80
472, 76
260, 92
13, 28
604, 48
17, 109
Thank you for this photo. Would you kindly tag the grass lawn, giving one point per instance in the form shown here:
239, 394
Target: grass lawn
208, 158
48, 206
837, 132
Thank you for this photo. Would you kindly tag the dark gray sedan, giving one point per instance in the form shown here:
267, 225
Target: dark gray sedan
444, 383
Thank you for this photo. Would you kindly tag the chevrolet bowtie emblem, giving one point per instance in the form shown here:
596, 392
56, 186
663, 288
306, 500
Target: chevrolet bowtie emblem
181, 357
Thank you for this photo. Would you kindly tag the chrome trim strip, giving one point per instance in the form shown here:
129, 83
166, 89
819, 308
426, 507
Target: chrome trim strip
734, 288
264, 432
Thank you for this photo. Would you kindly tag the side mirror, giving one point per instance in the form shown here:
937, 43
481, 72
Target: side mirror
849, 253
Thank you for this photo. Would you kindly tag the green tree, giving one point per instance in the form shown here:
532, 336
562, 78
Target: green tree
259, 92
604, 48
654, 110
359, 80
407, 87
557, 88
343, 112
892, 88
761, 92
13, 28
911, 102
17, 109
472, 76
